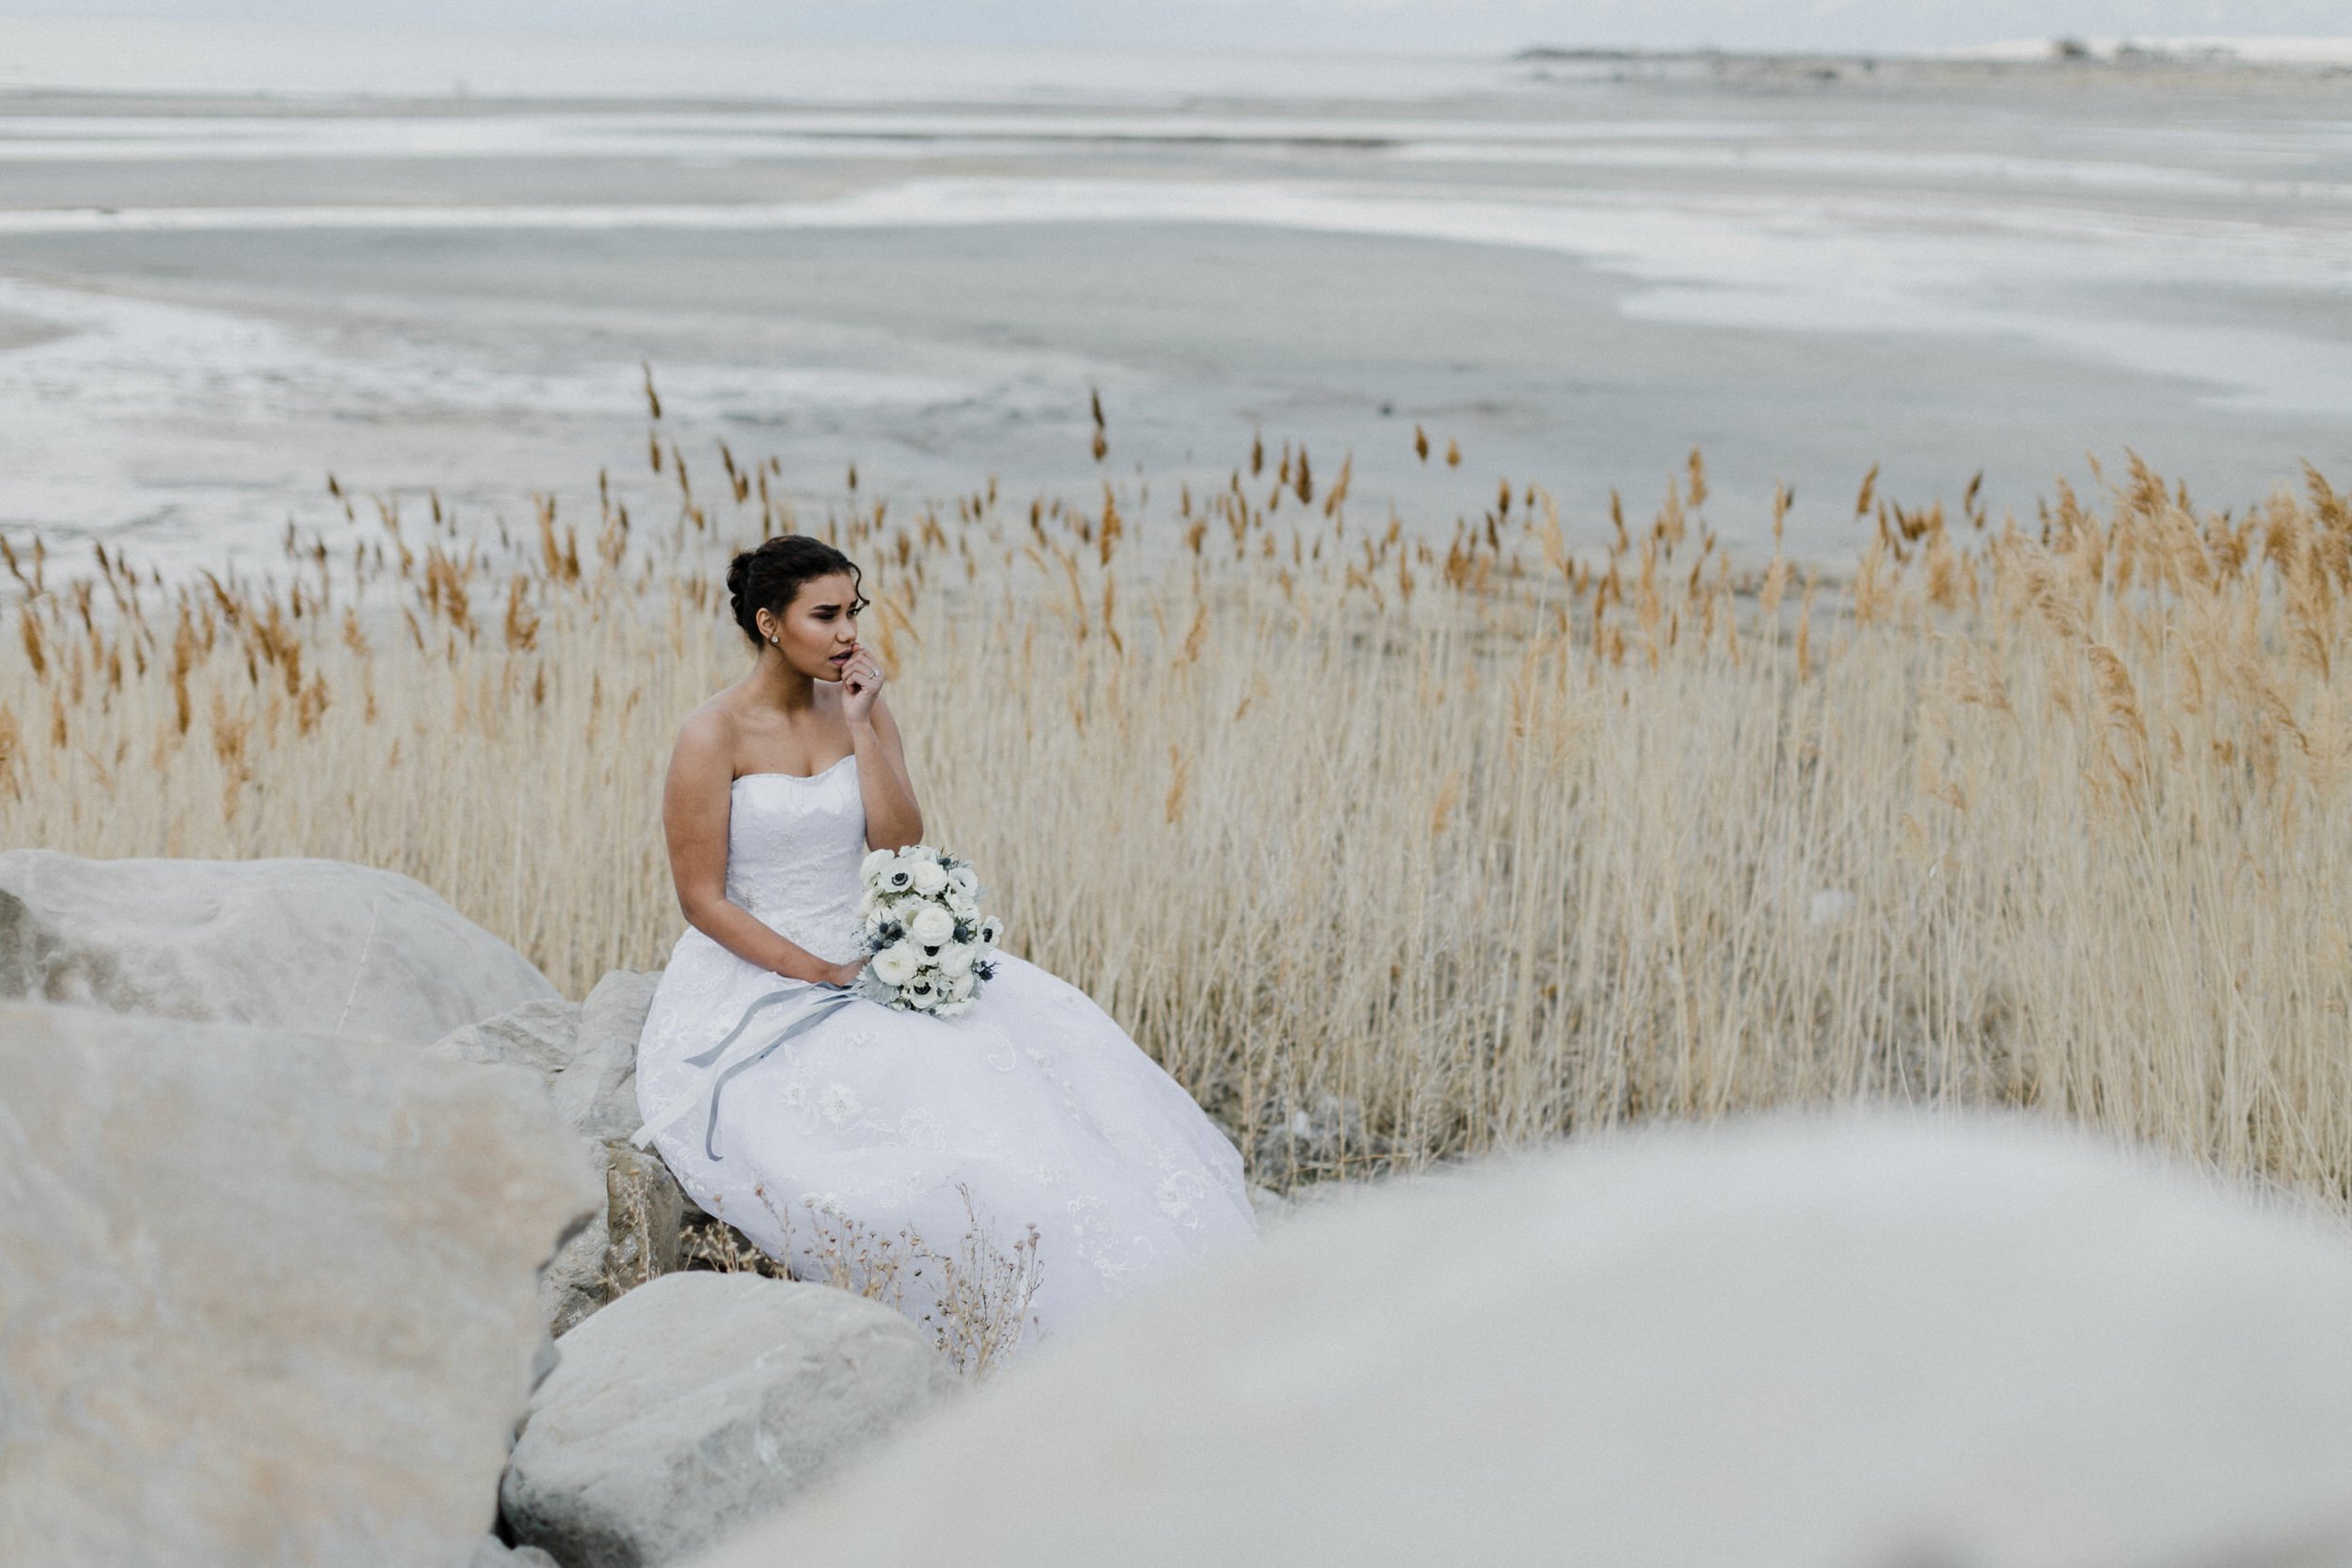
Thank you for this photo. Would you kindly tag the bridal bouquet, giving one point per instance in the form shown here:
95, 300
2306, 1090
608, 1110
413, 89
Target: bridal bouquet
930, 945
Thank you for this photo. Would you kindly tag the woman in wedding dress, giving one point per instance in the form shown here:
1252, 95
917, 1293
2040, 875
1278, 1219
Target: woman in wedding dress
1028, 1135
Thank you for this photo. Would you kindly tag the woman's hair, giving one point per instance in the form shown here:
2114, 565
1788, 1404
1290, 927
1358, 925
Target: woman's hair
766, 578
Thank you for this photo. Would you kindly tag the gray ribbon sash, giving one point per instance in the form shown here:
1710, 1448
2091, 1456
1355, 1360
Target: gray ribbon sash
716, 1072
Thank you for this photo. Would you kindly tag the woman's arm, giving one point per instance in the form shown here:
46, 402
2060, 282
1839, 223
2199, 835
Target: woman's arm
694, 806
893, 819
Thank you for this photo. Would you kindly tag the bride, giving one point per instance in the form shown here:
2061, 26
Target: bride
1029, 1130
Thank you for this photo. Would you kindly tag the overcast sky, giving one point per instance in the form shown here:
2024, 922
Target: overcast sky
1459, 24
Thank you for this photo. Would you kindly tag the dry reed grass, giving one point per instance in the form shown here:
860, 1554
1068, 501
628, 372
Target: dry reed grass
978, 1303
1389, 850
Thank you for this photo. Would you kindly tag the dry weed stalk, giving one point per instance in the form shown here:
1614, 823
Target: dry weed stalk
977, 1296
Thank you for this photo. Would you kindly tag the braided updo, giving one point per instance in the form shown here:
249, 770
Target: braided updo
766, 578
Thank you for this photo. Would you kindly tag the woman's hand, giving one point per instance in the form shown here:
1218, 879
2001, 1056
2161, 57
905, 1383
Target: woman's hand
841, 975
861, 683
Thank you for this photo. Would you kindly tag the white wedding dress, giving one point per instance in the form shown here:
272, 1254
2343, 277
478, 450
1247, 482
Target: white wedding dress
1033, 1109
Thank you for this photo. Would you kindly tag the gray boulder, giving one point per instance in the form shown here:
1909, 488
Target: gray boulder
1318, 1137
1780, 1345
313, 946
647, 1209
586, 1054
265, 1298
601, 1098
633, 1239
575, 1283
702, 1401
542, 1035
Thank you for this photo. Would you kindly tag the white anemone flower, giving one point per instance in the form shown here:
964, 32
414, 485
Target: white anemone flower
896, 964
961, 879
991, 929
874, 861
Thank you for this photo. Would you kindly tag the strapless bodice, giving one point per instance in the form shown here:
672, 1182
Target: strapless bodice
794, 846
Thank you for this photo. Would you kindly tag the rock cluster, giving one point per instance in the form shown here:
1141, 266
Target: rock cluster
295, 1186
283, 1246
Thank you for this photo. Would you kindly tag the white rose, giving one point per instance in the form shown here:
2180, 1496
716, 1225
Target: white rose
955, 959
903, 911
896, 964
959, 988
933, 926
875, 860
929, 879
914, 852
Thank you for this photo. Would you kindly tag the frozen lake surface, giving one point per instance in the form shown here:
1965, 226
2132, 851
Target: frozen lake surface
921, 262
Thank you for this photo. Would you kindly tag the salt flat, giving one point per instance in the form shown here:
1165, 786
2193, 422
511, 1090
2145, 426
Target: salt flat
1578, 269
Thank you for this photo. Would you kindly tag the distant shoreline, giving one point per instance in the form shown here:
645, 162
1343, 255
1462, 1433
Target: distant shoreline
86, 58
2127, 52
2073, 64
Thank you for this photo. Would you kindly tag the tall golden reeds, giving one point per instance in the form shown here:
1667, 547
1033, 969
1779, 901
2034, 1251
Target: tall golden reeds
1390, 847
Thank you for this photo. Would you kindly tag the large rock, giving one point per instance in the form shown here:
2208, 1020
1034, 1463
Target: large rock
542, 1035
314, 945
1787, 1345
586, 1054
634, 1238
601, 1098
700, 1402
264, 1298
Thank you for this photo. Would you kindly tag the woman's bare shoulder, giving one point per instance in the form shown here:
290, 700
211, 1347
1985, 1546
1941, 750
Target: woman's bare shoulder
710, 730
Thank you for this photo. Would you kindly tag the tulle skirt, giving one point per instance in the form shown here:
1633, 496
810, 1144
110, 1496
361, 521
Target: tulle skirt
997, 1175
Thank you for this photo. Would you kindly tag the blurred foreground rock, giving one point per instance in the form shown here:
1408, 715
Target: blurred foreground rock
587, 1057
1786, 1344
315, 945
265, 1298
700, 1402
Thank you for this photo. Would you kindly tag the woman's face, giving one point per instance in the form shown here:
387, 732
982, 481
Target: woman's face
818, 630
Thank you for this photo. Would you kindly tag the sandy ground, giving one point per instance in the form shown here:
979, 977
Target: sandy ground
205, 303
